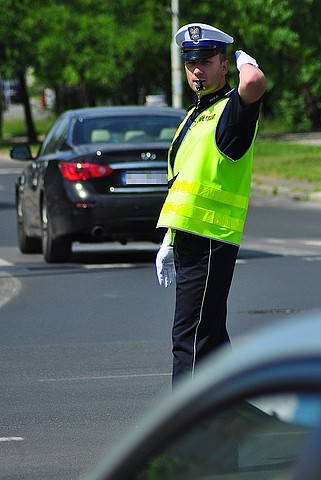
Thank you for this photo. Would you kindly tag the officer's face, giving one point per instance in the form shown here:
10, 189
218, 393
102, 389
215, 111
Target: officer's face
211, 71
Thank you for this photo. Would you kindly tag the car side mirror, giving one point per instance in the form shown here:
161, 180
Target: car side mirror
21, 152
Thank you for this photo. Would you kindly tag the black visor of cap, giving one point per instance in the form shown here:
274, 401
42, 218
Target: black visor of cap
197, 53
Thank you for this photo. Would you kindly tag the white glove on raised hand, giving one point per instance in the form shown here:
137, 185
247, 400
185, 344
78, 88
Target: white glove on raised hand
242, 58
165, 267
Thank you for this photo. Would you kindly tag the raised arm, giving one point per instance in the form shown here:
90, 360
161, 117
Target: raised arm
252, 83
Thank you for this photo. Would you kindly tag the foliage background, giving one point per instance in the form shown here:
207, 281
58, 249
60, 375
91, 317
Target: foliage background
95, 52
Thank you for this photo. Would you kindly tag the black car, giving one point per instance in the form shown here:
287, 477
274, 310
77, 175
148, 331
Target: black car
100, 175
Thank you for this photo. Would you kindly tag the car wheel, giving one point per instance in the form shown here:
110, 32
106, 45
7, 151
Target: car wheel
26, 244
55, 250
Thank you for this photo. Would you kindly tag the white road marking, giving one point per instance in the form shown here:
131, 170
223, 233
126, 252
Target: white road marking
10, 171
9, 288
105, 377
5, 263
109, 265
285, 246
115, 247
275, 241
11, 439
316, 243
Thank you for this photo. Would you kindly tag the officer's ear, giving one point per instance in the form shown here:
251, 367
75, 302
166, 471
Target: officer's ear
225, 65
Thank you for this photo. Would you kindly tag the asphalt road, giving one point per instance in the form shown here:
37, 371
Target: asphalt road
85, 347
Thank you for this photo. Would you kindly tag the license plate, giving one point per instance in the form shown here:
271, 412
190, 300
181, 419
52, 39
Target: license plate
144, 178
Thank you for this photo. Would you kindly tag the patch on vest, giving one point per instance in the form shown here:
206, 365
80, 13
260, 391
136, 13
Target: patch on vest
205, 117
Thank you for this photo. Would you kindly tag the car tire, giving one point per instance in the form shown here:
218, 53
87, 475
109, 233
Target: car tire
55, 250
26, 244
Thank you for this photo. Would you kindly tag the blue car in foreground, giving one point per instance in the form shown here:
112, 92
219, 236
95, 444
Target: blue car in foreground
253, 412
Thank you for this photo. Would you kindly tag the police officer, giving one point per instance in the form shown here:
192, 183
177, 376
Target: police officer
209, 172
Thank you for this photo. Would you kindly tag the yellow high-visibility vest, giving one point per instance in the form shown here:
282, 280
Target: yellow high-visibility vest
210, 194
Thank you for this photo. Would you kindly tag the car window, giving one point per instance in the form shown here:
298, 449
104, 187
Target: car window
261, 438
56, 139
127, 129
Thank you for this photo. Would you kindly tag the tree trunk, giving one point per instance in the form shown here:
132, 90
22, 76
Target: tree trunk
2, 108
32, 135
1, 121
313, 111
83, 98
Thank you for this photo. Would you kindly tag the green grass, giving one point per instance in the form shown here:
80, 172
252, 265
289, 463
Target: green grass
14, 131
16, 127
274, 158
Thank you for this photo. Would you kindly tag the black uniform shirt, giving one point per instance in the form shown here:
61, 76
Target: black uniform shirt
236, 126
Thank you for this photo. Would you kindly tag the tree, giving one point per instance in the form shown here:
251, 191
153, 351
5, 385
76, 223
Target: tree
282, 35
17, 42
117, 51
102, 52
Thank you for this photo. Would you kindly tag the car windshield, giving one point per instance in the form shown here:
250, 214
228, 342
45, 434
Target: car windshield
125, 129
262, 438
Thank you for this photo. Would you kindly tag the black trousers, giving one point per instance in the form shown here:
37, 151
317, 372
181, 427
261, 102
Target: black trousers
204, 272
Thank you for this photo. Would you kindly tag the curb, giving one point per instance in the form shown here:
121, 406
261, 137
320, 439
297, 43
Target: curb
282, 187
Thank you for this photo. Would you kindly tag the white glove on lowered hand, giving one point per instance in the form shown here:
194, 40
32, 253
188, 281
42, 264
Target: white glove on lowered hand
242, 58
165, 267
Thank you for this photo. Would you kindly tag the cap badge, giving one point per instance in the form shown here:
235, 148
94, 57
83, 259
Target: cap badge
195, 33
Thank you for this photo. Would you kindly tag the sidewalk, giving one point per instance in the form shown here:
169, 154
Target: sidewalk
311, 138
293, 189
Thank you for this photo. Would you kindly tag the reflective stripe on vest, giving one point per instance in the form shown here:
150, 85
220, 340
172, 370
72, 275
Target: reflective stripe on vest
203, 215
207, 191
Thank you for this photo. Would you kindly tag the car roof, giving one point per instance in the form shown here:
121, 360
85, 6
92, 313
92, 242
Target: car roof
125, 110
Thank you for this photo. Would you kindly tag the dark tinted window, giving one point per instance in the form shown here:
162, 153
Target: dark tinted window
261, 439
128, 129
56, 138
